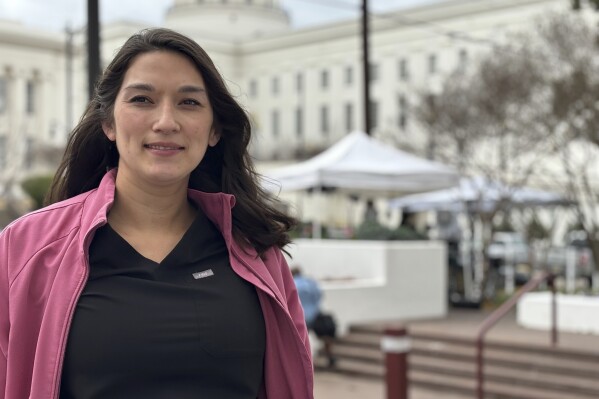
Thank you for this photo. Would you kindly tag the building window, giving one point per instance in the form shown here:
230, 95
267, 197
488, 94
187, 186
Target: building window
374, 114
462, 59
324, 119
373, 72
53, 129
3, 95
349, 117
275, 122
3, 151
404, 70
432, 64
349, 76
403, 112
30, 97
299, 122
253, 88
324, 79
275, 85
29, 152
299, 82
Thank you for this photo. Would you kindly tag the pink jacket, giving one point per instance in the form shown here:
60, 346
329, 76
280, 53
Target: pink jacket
44, 266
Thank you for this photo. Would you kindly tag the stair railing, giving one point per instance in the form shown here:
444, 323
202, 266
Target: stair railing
501, 311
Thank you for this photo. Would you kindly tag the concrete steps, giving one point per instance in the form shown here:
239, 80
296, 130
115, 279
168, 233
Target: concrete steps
448, 363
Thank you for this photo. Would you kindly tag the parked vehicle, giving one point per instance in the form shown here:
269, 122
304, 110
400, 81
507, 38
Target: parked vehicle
577, 244
510, 249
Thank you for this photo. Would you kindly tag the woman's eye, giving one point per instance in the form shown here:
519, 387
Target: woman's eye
191, 101
140, 99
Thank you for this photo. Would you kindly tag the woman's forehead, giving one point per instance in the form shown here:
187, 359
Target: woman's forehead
163, 67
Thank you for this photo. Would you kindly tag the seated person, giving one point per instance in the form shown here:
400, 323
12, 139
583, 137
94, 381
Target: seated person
321, 323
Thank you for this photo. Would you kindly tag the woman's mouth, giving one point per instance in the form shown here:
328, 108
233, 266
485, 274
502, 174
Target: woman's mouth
163, 147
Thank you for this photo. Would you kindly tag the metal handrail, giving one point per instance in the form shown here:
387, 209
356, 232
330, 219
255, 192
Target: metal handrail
501, 311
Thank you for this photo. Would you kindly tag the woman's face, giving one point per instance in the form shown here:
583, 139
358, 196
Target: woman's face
163, 120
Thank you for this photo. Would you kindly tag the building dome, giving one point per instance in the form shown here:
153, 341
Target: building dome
228, 19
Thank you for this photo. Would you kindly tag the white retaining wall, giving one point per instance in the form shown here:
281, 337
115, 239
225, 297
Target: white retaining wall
575, 313
369, 281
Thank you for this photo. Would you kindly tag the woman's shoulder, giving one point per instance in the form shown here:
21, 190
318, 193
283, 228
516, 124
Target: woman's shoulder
50, 220
276, 261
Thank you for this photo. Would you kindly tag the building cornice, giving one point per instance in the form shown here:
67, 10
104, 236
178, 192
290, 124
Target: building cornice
186, 9
403, 19
17, 34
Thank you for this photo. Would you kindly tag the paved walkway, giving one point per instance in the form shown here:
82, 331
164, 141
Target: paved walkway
334, 386
459, 322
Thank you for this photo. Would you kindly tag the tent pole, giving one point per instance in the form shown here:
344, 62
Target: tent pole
316, 230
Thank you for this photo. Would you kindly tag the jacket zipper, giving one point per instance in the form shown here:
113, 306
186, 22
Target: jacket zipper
72, 305
282, 308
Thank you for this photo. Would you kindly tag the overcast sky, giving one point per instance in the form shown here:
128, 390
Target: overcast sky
56, 14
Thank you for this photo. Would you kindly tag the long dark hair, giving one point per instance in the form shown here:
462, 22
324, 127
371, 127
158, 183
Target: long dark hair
226, 167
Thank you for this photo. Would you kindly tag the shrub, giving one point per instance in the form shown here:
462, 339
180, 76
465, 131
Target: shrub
535, 230
406, 233
37, 187
372, 230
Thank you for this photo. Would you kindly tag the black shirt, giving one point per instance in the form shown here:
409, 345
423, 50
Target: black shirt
188, 327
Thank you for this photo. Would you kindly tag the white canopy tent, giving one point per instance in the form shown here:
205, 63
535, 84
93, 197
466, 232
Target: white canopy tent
361, 164
477, 194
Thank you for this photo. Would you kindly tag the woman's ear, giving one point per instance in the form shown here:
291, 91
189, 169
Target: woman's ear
109, 131
214, 137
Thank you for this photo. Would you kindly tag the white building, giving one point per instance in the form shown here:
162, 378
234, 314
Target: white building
302, 88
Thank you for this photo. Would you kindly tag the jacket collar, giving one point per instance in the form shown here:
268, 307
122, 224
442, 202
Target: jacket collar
97, 204
217, 207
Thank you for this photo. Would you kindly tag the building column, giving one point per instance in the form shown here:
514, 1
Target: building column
17, 86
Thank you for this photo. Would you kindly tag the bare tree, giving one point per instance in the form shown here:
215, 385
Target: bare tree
571, 52
478, 124
534, 96
453, 123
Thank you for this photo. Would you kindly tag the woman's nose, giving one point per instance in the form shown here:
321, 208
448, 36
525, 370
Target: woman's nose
166, 121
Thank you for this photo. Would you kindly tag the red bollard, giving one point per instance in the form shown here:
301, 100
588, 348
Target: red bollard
396, 344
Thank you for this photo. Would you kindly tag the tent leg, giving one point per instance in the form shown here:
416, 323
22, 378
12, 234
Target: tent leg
316, 229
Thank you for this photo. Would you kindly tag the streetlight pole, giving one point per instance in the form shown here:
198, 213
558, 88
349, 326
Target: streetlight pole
93, 45
366, 68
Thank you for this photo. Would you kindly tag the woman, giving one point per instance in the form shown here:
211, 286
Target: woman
157, 272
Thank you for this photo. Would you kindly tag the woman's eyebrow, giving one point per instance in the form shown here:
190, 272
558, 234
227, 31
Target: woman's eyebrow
140, 86
191, 89
183, 89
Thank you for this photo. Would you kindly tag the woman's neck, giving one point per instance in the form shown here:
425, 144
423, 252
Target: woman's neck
160, 209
